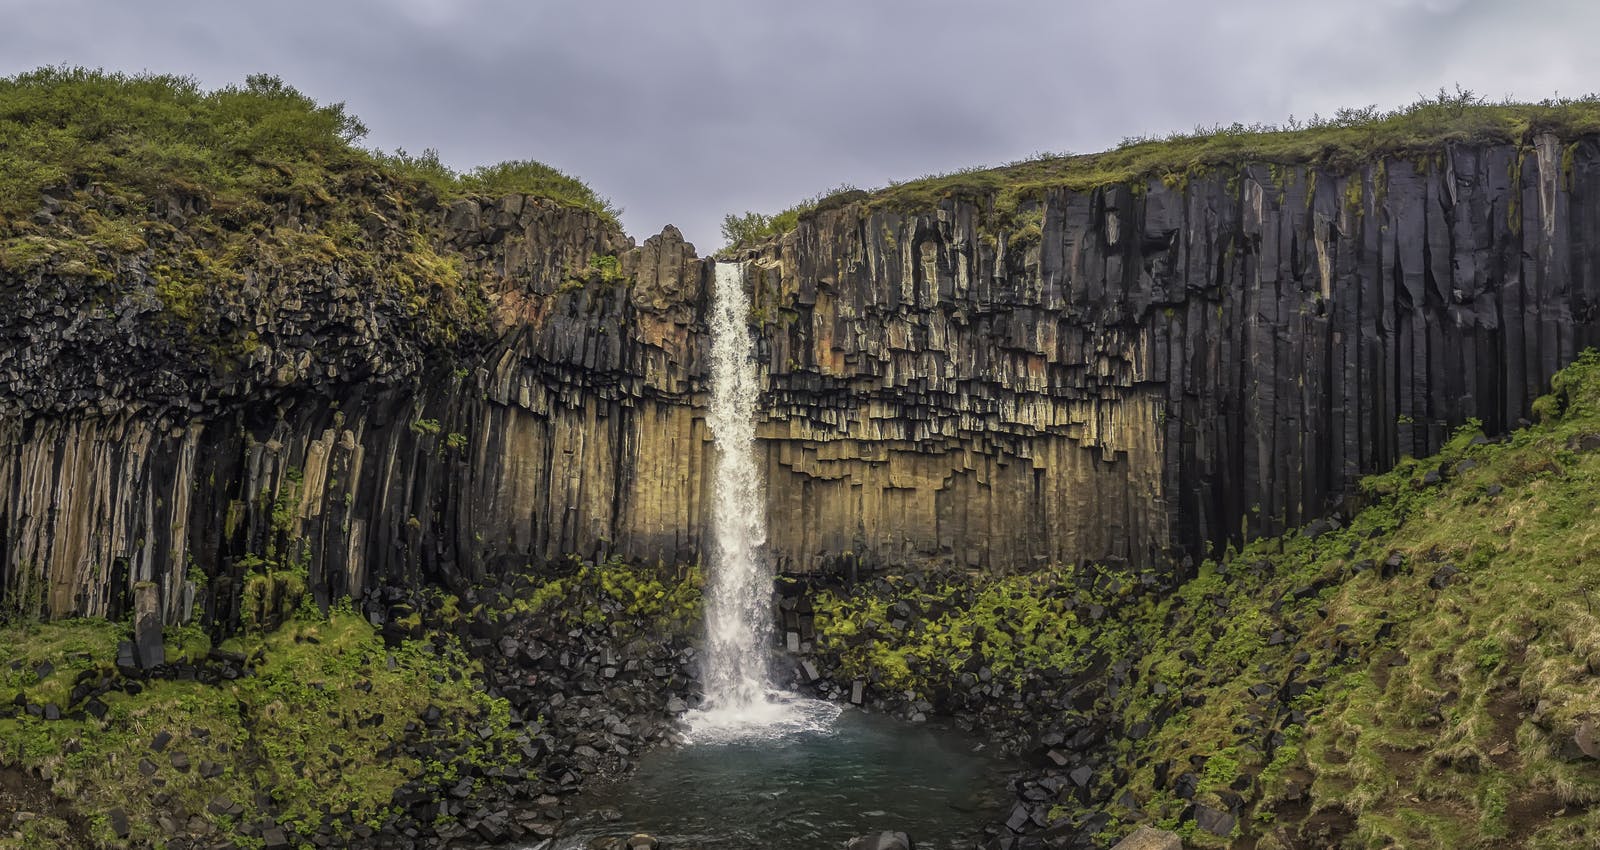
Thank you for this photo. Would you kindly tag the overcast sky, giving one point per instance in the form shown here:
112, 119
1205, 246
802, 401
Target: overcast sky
683, 111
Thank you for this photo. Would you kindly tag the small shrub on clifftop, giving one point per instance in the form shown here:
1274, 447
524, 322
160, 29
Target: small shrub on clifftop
526, 177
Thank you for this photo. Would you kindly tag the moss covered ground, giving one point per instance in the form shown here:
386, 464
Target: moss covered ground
312, 731
1424, 674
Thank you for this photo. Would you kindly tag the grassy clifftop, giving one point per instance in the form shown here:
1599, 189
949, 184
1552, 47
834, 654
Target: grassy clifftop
1426, 674
1338, 143
147, 137
136, 181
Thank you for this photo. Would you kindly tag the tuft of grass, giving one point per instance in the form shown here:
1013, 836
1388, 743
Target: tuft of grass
752, 228
526, 177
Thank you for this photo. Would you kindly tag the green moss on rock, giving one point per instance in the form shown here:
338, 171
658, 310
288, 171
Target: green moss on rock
314, 729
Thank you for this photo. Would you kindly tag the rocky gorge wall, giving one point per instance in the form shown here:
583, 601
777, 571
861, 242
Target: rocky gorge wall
1132, 372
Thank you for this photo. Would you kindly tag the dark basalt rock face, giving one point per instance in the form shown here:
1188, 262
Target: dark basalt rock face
1140, 371
1133, 372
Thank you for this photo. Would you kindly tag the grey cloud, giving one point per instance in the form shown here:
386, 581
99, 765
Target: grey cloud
683, 111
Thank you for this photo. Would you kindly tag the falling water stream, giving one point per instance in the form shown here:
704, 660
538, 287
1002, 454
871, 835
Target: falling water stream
762, 767
740, 700
739, 594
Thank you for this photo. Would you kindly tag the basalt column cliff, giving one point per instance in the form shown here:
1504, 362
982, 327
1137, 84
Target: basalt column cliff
1141, 370
334, 435
1131, 371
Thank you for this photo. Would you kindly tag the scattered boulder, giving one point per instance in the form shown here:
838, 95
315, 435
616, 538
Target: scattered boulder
494, 828
1214, 821
1442, 576
119, 822
273, 838
1588, 739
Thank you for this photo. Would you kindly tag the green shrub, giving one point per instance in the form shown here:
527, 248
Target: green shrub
526, 177
146, 136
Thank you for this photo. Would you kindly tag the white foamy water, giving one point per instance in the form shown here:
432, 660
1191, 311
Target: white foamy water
777, 716
740, 700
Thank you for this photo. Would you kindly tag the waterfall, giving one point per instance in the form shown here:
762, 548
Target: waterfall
738, 602
740, 701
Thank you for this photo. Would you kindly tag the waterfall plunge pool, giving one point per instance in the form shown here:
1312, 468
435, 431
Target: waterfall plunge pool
758, 768
815, 781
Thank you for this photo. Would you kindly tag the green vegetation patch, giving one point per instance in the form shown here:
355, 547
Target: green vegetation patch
151, 184
921, 634
649, 600
751, 228
150, 137
1341, 143
316, 728
1424, 674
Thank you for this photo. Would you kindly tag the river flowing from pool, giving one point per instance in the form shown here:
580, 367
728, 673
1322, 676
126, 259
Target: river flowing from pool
803, 789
